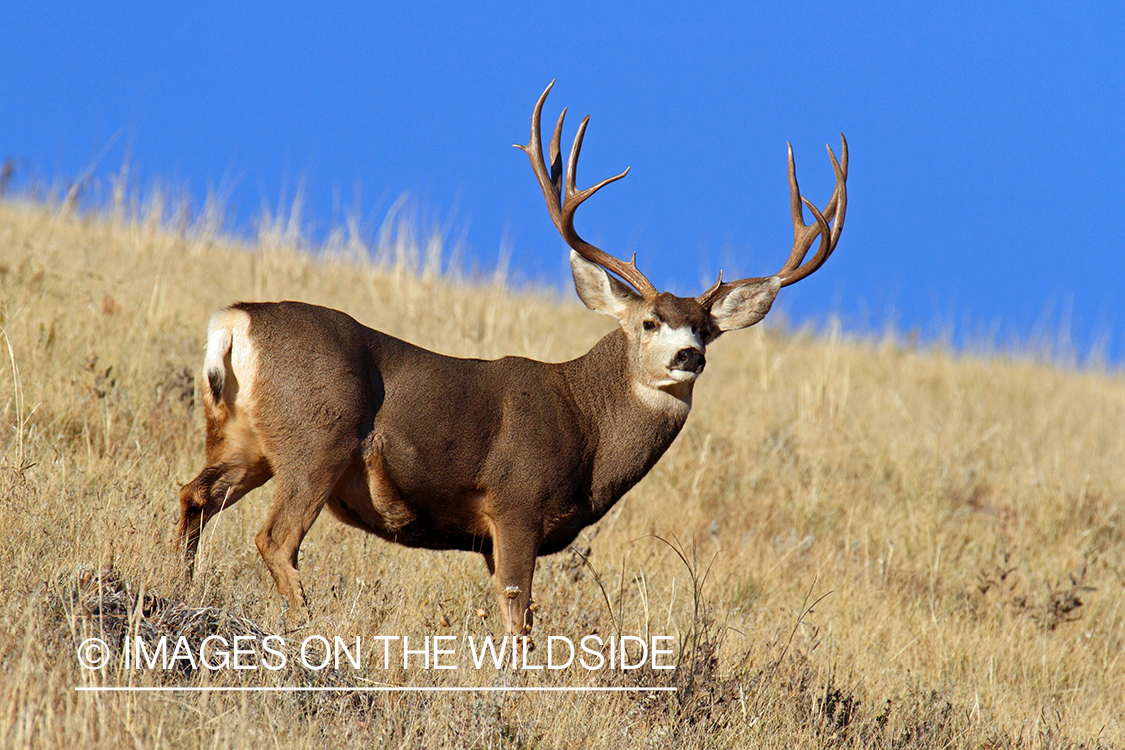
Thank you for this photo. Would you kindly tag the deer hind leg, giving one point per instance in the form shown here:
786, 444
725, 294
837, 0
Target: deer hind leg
295, 509
221, 484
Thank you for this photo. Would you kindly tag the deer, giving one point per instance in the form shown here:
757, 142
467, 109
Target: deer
509, 458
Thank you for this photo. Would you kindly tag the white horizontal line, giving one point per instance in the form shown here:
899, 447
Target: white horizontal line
390, 689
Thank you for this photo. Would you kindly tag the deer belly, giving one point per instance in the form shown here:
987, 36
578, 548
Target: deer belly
367, 497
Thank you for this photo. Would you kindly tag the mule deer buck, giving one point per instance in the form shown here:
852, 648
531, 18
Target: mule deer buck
509, 458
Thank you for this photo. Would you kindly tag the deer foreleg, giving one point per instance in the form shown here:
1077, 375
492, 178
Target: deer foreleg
512, 564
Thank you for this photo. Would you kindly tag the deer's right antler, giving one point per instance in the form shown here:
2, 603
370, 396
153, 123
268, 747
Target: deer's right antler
562, 206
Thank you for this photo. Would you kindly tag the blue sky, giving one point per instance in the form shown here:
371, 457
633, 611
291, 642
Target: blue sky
987, 175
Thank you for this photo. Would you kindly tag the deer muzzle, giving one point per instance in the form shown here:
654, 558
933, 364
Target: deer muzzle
689, 359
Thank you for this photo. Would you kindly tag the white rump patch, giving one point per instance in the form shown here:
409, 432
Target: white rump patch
231, 355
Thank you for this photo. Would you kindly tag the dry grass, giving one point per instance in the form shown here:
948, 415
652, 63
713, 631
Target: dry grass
959, 524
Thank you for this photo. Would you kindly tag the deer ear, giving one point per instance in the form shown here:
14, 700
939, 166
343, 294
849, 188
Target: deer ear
600, 291
745, 305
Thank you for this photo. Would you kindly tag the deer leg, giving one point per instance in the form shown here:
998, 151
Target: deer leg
218, 486
512, 564
295, 508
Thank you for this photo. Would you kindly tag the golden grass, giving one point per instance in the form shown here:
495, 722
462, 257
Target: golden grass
957, 521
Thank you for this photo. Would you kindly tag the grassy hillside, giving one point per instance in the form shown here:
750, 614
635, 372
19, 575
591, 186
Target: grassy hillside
958, 522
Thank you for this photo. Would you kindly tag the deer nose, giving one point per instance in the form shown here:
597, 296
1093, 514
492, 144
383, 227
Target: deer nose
691, 360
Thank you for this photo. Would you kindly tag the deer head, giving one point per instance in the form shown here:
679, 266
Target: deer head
668, 335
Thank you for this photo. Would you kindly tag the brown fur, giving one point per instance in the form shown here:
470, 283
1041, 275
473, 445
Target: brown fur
509, 458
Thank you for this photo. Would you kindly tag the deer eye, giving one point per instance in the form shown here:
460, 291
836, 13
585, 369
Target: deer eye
695, 330
650, 325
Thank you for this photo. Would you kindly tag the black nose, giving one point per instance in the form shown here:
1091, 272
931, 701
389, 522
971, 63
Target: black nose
691, 360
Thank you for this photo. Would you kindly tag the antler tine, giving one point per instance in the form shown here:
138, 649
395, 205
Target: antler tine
841, 201
549, 183
803, 235
841, 169
828, 225
556, 154
571, 198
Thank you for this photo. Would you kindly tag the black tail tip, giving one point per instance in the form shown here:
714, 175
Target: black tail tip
215, 383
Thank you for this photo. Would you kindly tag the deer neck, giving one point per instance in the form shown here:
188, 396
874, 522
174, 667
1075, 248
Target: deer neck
631, 426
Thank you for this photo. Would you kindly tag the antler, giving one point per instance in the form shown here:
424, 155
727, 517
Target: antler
803, 234
562, 207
